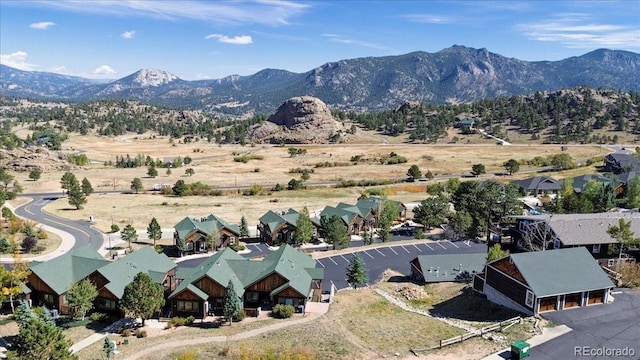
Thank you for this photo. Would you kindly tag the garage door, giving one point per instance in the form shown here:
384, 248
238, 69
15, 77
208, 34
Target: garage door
596, 297
547, 304
572, 300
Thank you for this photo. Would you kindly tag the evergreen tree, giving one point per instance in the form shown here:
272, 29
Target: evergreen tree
414, 173
478, 169
81, 296
180, 188
432, 211
304, 228
244, 228
129, 234
136, 185
142, 297
334, 231
495, 253
152, 171
86, 186
356, 271
387, 215
67, 181
154, 231
77, 198
512, 166
35, 174
231, 304
623, 235
189, 171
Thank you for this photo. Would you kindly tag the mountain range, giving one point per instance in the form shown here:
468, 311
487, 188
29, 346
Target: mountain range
452, 75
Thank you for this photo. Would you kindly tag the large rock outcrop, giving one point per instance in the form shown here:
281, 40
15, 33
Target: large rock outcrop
299, 120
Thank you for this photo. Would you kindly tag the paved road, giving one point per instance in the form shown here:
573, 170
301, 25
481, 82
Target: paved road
80, 230
612, 326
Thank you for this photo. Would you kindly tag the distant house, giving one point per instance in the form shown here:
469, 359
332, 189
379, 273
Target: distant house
626, 177
195, 232
285, 276
373, 204
539, 185
280, 227
115, 276
580, 183
619, 163
575, 230
351, 218
440, 268
536, 282
49, 281
466, 125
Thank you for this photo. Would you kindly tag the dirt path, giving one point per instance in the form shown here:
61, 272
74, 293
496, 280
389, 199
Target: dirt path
208, 339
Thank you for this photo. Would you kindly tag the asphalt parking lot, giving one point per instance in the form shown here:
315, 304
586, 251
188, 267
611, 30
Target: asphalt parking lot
392, 256
598, 328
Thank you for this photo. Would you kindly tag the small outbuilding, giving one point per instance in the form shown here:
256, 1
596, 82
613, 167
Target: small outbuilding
536, 282
440, 268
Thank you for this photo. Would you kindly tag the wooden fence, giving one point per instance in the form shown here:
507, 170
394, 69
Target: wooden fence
479, 332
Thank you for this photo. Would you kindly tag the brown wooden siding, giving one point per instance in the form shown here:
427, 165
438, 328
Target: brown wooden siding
290, 292
267, 283
212, 288
186, 295
507, 267
37, 284
507, 286
98, 280
478, 283
106, 294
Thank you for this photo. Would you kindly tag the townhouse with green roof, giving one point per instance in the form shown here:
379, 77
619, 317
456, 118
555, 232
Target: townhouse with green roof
115, 276
280, 227
285, 276
49, 281
194, 232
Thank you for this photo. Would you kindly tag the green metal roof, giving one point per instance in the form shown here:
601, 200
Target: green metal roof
272, 220
206, 225
122, 271
438, 268
296, 267
561, 271
346, 215
62, 272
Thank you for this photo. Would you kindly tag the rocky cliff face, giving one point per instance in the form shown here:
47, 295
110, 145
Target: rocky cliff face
299, 120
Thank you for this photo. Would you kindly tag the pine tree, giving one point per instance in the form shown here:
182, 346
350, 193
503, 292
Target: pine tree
86, 186
304, 228
152, 171
68, 179
356, 271
136, 185
244, 228
81, 296
129, 234
142, 297
77, 197
231, 304
154, 231
334, 231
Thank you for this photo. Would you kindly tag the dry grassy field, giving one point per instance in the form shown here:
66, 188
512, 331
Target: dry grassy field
214, 165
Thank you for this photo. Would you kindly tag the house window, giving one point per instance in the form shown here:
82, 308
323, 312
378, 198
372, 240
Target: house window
556, 244
522, 226
106, 304
529, 299
610, 262
252, 296
48, 299
188, 306
201, 246
189, 246
596, 249
232, 240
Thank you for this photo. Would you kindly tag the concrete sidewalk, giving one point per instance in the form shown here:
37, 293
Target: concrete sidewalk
547, 334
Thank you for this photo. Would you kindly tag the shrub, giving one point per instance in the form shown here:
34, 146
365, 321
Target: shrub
418, 234
240, 316
6, 213
237, 247
169, 325
126, 332
177, 321
5, 246
282, 311
189, 320
97, 316
159, 249
42, 234
278, 187
188, 355
28, 243
141, 333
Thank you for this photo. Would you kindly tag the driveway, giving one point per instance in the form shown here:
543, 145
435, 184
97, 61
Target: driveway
609, 326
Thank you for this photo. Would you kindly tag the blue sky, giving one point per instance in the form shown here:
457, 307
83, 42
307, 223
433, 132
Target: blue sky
213, 39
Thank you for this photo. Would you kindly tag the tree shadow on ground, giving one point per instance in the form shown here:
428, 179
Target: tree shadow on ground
471, 307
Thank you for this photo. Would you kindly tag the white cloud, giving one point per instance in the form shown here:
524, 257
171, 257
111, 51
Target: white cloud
574, 32
128, 34
344, 40
266, 12
44, 25
237, 40
104, 70
430, 19
17, 60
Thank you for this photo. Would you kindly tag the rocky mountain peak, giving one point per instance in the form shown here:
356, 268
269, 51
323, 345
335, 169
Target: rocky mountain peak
299, 120
152, 77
